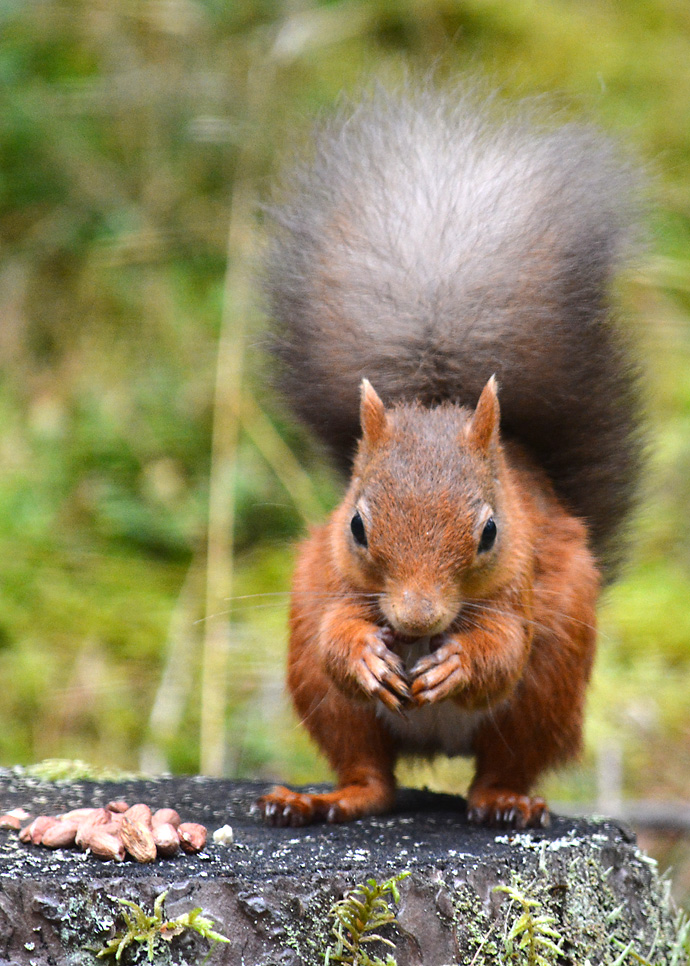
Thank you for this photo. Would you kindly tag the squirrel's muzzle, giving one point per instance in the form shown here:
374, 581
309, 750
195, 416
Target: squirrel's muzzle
417, 614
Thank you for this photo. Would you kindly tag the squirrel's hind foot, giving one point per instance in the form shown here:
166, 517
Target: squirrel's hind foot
283, 807
499, 808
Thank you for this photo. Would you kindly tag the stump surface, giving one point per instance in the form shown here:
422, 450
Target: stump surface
271, 891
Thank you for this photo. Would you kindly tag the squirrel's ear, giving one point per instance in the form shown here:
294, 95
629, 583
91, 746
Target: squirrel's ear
482, 428
372, 415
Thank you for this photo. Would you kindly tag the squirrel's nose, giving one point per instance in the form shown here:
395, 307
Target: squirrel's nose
417, 614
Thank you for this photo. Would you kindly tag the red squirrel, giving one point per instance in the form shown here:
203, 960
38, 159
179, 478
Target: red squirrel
439, 279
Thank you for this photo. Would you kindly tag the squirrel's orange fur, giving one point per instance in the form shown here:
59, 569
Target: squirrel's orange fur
448, 604
512, 629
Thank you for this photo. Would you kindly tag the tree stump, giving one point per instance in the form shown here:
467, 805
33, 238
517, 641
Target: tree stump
270, 892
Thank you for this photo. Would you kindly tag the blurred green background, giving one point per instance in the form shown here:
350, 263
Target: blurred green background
150, 488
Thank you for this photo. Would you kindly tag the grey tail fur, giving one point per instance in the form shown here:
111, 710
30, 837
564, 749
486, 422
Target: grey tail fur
433, 239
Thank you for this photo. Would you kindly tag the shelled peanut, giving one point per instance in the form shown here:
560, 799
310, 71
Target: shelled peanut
117, 830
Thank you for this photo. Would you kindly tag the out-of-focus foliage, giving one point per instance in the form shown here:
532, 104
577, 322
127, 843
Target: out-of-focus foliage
127, 131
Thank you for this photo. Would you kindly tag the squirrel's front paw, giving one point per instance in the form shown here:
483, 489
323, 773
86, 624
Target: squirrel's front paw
381, 674
439, 675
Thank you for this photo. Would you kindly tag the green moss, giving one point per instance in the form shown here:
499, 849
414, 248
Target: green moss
580, 901
531, 938
73, 770
307, 930
90, 928
475, 927
358, 917
152, 930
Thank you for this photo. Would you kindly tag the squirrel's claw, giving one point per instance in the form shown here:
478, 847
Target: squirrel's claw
380, 674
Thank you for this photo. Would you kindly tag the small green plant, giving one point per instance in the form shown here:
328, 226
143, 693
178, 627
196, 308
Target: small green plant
680, 953
144, 928
629, 955
363, 910
532, 939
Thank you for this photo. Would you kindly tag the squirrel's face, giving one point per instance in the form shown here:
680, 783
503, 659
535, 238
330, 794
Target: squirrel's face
423, 526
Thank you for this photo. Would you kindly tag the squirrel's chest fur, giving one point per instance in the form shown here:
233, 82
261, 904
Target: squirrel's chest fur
444, 727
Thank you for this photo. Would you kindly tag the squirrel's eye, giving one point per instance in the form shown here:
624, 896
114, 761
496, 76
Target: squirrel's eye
358, 531
488, 537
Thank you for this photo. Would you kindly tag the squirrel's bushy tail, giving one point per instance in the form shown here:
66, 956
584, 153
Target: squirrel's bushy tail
433, 239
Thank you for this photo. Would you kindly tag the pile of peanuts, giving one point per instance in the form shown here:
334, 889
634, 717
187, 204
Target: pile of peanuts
116, 831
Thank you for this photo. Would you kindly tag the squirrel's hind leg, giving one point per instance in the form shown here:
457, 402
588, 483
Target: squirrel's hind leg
366, 779
540, 725
359, 749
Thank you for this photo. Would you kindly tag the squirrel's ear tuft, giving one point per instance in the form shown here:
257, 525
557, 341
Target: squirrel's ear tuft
372, 415
482, 428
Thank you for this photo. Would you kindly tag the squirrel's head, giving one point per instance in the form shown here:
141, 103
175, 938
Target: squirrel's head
423, 524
